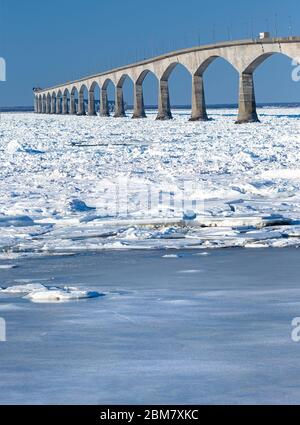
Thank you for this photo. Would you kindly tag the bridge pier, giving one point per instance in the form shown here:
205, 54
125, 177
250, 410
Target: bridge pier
104, 111
64, 104
164, 109
48, 106
81, 110
43, 107
119, 103
139, 107
72, 104
198, 100
91, 104
247, 103
53, 105
58, 105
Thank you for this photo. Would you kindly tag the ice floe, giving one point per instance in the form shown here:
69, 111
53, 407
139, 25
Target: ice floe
39, 293
7, 266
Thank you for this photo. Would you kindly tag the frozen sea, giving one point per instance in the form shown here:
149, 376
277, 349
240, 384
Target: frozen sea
188, 329
72, 183
114, 290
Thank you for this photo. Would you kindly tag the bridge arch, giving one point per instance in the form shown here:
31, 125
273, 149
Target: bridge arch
74, 100
164, 104
108, 86
283, 86
124, 90
93, 98
139, 90
255, 62
247, 99
180, 84
65, 101
170, 68
82, 99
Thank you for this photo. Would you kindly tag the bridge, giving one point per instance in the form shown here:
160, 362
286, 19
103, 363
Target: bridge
244, 55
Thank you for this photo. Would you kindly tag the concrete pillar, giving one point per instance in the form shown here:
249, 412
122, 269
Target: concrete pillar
164, 109
198, 100
139, 108
72, 105
247, 104
104, 111
64, 104
81, 109
48, 106
35, 104
119, 103
53, 105
39, 106
43, 106
58, 105
91, 104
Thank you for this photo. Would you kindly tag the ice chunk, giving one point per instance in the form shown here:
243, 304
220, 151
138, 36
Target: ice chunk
13, 146
7, 266
189, 215
60, 295
77, 205
16, 221
37, 292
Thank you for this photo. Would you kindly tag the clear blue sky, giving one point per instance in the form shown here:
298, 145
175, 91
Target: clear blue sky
48, 42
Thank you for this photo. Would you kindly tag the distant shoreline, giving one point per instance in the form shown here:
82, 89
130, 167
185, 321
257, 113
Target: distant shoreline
212, 106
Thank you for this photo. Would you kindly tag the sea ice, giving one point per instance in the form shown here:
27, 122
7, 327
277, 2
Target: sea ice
125, 192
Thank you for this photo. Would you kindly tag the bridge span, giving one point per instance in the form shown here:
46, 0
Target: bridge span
245, 56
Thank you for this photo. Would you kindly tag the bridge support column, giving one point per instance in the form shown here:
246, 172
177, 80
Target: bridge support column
247, 103
104, 111
72, 105
139, 108
39, 106
48, 106
35, 104
53, 106
164, 109
119, 103
91, 105
58, 105
198, 100
81, 110
64, 104
43, 107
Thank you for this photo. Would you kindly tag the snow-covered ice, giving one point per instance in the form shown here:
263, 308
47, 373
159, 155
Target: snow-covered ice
63, 178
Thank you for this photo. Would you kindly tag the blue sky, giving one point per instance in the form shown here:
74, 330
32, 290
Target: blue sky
45, 43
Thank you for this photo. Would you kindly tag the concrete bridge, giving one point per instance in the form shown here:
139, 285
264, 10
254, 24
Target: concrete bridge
245, 56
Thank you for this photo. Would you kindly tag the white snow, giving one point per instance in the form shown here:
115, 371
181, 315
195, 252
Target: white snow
73, 183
